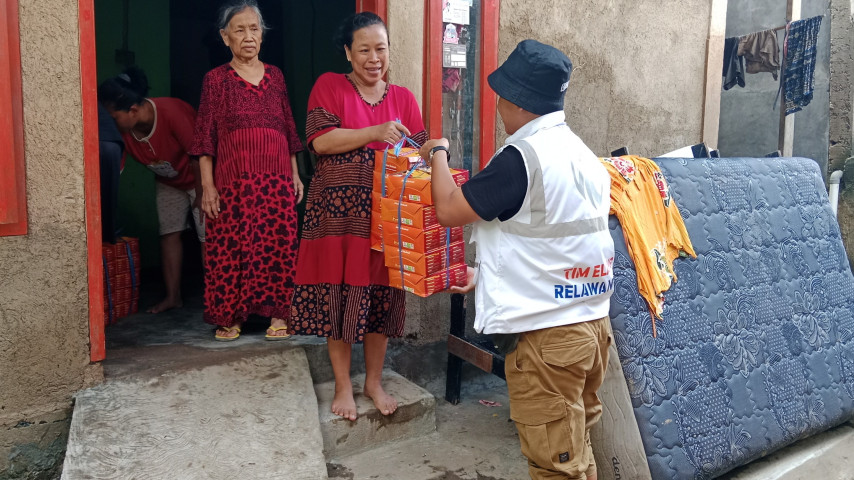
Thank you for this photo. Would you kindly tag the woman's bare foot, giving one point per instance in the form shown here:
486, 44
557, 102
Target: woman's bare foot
166, 304
344, 405
384, 402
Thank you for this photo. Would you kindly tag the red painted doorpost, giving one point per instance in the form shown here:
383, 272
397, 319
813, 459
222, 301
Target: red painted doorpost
380, 7
91, 177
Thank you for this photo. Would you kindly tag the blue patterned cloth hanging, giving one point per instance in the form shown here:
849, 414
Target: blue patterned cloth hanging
800, 52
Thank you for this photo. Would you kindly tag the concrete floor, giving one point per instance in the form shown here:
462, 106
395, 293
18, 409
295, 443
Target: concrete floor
471, 441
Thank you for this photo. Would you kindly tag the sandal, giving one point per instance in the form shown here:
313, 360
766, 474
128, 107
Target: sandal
275, 337
222, 338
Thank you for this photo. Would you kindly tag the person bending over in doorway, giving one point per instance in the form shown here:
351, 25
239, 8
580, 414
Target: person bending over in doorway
539, 208
157, 133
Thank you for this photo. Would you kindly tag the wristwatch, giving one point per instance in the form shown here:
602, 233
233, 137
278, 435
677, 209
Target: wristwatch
438, 148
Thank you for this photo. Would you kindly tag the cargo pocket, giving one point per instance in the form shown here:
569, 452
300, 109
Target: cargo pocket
545, 434
574, 353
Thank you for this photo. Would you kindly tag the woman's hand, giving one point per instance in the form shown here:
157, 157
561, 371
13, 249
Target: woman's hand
298, 188
429, 144
210, 202
471, 275
390, 132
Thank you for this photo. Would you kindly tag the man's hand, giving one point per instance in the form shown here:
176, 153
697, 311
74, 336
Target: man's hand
429, 144
471, 277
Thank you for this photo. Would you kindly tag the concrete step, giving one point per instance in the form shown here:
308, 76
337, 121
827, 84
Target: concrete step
249, 418
415, 416
472, 442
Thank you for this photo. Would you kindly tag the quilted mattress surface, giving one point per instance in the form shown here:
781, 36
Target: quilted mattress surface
756, 346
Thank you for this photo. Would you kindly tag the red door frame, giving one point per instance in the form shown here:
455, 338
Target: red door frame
433, 73
432, 88
91, 176
13, 190
380, 7
488, 64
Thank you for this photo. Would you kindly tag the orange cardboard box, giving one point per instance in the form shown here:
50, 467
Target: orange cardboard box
429, 263
396, 163
378, 182
424, 286
418, 187
376, 232
376, 223
413, 215
417, 239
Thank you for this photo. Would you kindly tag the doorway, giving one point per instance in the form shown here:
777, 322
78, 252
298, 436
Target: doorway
176, 42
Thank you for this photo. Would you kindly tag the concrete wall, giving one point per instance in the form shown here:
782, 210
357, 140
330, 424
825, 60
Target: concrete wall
43, 277
841, 82
841, 112
638, 75
406, 63
749, 125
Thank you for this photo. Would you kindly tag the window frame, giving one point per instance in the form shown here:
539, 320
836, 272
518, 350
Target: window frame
13, 192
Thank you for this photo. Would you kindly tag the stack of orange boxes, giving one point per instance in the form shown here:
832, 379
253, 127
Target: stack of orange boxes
422, 257
121, 278
393, 164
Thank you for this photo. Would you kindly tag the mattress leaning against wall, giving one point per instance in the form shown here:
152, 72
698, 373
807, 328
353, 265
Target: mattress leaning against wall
756, 346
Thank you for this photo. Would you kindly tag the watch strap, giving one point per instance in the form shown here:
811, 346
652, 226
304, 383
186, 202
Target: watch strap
439, 148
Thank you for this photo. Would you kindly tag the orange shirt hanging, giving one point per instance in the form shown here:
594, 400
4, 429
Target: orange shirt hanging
652, 225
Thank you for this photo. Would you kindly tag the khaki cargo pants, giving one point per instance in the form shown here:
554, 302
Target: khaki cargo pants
552, 378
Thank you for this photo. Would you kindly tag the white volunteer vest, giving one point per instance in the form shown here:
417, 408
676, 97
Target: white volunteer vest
550, 264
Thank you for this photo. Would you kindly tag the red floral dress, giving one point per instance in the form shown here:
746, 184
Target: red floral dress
251, 247
341, 287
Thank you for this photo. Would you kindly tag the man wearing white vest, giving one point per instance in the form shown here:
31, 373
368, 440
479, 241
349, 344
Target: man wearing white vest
540, 214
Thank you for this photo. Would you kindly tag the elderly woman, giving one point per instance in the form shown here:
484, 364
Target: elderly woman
342, 290
246, 142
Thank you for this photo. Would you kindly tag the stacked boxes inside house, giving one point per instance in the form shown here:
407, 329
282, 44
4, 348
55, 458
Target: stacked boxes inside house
121, 278
422, 257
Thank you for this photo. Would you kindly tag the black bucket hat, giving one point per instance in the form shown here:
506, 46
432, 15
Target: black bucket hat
534, 77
